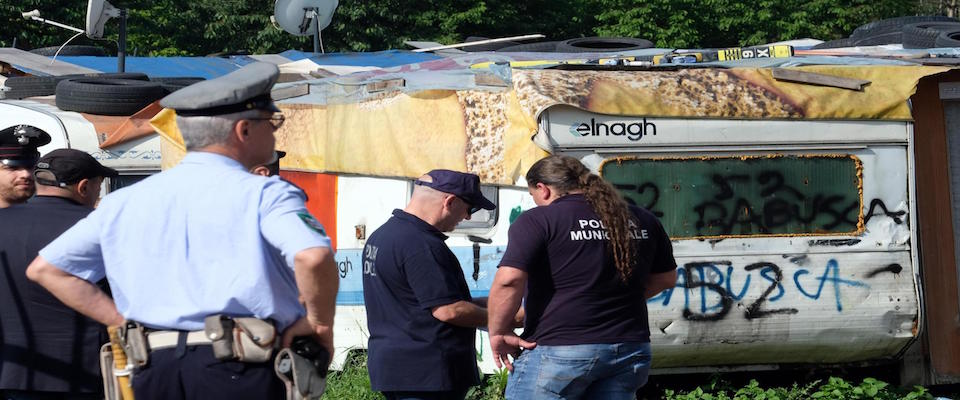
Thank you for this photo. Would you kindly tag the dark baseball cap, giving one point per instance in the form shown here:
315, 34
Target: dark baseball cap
64, 167
464, 185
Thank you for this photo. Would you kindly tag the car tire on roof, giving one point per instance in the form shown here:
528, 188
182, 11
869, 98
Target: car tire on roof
16, 94
107, 96
536, 47
878, 39
891, 25
924, 35
836, 43
948, 38
173, 84
30, 86
602, 44
70, 51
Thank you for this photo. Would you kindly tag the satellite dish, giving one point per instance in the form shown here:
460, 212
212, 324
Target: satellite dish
98, 12
297, 16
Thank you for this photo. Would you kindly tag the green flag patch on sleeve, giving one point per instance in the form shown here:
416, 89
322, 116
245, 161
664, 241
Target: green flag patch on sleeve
312, 222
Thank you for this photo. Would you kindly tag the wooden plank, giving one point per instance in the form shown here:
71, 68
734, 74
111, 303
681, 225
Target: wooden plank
389, 84
935, 227
290, 91
485, 79
790, 75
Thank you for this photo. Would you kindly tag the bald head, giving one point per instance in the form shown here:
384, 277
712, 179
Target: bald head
441, 210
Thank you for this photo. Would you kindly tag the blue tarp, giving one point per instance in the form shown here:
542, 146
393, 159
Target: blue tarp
201, 67
387, 58
212, 67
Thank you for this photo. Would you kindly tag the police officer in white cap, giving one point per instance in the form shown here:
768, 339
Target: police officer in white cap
18, 154
206, 260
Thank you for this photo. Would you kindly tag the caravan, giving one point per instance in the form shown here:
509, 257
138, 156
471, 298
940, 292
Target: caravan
813, 224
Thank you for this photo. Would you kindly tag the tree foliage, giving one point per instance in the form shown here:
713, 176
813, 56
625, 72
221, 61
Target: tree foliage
180, 27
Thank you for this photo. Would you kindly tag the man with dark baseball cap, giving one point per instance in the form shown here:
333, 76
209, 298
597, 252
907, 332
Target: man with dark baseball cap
419, 308
18, 154
72, 174
463, 185
58, 346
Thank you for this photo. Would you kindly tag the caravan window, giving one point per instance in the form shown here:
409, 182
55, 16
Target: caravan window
737, 196
483, 219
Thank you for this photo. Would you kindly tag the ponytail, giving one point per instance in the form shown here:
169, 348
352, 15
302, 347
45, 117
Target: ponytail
567, 174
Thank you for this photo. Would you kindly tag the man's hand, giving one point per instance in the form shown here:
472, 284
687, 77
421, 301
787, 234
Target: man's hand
506, 346
519, 318
322, 334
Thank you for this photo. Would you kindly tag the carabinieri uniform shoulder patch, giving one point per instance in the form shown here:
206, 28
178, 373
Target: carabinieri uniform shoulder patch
312, 223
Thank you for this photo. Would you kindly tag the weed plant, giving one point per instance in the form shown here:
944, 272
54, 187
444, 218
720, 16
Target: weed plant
834, 389
353, 383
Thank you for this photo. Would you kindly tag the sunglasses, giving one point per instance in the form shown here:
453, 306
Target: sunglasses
473, 209
276, 120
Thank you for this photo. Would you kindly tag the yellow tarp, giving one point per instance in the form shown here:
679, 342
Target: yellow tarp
489, 132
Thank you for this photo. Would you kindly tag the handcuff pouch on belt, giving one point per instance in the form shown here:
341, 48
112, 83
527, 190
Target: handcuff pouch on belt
303, 369
241, 339
135, 346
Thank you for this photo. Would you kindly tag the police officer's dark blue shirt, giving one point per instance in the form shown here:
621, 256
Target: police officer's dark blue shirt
46, 345
408, 269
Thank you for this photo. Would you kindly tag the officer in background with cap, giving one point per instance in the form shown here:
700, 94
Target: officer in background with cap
49, 350
192, 254
18, 154
421, 317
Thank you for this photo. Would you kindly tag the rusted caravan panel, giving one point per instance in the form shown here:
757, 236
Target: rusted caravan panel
937, 222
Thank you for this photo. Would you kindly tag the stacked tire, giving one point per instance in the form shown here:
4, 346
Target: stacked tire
581, 45
20, 87
102, 94
914, 32
107, 96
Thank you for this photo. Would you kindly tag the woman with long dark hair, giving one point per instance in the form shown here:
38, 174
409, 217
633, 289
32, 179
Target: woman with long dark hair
584, 262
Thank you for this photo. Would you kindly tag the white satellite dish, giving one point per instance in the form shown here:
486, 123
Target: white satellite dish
305, 17
98, 12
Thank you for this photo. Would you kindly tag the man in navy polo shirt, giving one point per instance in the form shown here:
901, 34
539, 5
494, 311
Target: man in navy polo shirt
420, 314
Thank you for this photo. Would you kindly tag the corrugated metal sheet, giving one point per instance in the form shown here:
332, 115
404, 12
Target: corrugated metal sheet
202, 67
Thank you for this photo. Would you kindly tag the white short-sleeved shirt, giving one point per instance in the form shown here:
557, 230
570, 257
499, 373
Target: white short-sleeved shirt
202, 238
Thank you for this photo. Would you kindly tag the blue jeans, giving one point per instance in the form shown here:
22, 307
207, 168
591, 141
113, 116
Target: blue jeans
457, 394
587, 371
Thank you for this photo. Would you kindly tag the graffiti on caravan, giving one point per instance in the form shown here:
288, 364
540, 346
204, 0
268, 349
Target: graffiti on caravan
710, 289
632, 130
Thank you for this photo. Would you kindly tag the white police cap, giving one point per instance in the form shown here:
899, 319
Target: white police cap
247, 88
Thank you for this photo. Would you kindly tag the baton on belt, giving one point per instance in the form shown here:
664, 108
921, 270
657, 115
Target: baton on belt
120, 368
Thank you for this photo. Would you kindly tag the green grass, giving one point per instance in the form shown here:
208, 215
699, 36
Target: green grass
833, 389
353, 383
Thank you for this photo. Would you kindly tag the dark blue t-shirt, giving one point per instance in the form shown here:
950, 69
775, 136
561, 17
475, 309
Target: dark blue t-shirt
574, 292
407, 270
44, 345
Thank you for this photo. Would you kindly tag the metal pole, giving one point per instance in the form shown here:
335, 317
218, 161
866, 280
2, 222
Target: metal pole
316, 30
122, 46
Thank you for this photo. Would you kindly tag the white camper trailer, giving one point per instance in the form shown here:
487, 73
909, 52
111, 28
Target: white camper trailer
812, 224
